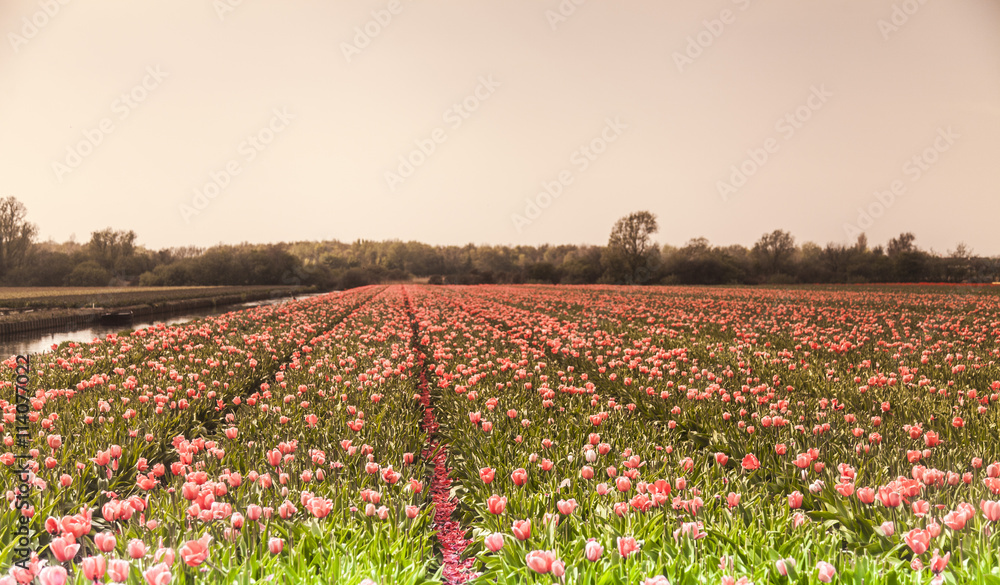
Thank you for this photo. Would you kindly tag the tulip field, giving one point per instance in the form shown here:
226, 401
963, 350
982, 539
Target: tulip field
410, 434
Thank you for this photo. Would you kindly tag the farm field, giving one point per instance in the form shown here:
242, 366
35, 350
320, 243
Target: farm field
84, 297
523, 434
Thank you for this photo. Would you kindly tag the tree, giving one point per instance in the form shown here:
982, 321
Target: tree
901, 244
630, 248
110, 248
773, 252
16, 234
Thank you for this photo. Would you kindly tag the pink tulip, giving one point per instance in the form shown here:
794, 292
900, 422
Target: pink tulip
627, 546
105, 541
118, 570
158, 575
166, 555
496, 504
918, 540
540, 561
826, 571
938, 563
991, 510
795, 500
784, 566
194, 552
94, 567
275, 545
64, 547
593, 550
522, 529
136, 548
566, 507
494, 541
53, 576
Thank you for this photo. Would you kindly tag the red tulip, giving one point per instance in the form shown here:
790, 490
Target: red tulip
486, 474
519, 477
750, 462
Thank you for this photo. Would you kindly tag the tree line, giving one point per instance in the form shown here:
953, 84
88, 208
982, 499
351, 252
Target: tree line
114, 258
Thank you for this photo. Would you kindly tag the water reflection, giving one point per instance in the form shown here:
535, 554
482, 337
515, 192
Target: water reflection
41, 341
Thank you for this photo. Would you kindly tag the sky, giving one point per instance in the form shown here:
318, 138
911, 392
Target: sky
198, 122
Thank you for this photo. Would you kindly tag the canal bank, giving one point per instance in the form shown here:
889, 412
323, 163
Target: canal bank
47, 319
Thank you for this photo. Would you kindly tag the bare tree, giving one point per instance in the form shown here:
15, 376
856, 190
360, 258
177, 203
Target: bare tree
16, 234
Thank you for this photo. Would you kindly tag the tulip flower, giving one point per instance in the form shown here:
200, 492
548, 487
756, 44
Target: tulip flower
118, 570
540, 561
494, 541
918, 540
593, 550
94, 568
522, 529
158, 575
275, 545
626, 546
825, 571
53, 576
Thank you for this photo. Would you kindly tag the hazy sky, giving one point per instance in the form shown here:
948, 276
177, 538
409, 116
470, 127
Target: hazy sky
196, 122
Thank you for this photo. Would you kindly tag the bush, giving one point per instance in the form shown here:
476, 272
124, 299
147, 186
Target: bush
89, 273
